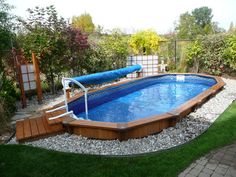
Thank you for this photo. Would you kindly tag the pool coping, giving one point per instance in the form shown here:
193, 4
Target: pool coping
142, 127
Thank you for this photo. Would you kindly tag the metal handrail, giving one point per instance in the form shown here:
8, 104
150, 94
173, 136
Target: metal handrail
58, 108
61, 115
82, 87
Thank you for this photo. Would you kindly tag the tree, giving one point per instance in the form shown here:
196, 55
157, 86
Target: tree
43, 34
115, 48
107, 52
203, 16
198, 22
77, 44
145, 42
187, 28
216, 29
6, 33
232, 28
203, 19
7, 90
84, 23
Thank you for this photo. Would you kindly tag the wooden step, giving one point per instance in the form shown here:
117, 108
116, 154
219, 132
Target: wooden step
35, 128
53, 114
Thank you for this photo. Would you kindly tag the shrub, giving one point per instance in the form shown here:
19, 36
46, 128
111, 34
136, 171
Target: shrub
230, 52
193, 52
206, 54
145, 42
8, 96
106, 52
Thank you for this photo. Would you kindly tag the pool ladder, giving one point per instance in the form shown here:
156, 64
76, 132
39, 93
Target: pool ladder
65, 84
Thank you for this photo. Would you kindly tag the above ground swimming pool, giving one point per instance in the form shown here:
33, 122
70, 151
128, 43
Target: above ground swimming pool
144, 100
141, 98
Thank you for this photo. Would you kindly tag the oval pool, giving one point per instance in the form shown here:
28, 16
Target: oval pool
144, 100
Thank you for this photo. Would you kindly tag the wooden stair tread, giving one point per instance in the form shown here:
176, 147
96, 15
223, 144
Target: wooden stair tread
53, 114
36, 128
67, 120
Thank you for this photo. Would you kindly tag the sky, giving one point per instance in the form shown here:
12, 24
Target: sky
133, 15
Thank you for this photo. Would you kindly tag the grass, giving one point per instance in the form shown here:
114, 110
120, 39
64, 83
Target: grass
19, 160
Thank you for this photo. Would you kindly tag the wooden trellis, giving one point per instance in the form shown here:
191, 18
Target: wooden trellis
28, 76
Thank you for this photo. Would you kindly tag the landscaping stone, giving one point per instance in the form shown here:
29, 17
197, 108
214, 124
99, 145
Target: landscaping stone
187, 129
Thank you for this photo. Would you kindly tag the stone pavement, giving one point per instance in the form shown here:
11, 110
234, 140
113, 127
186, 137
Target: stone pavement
218, 163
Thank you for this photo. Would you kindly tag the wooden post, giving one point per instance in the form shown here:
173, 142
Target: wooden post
68, 93
21, 84
138, 74
175, 53
37, 78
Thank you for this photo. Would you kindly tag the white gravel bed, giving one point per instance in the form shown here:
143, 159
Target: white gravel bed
187, 129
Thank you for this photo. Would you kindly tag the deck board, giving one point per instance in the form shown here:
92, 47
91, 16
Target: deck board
41, 128
34, 128
47, 116
20, 130
53, 114
27, 128
46, 126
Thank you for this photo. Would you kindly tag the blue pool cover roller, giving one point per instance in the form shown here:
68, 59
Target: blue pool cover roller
101, 77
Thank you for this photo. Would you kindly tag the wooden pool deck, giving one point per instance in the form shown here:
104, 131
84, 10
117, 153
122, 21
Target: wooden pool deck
40, 127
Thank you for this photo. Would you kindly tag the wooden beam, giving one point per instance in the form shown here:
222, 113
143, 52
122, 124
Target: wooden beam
37, 78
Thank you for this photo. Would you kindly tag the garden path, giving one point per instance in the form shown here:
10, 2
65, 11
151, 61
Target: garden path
217, 163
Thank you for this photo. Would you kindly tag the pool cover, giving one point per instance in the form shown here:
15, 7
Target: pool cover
106, 76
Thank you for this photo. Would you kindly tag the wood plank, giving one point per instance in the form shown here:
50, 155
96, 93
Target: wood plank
52, 128
49, 115
59, 120
19, 130
34, 128
27, 129
40, 126
53, 114
45, 124
57, 127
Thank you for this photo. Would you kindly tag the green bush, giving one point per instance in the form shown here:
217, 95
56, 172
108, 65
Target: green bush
193, 52
45, 86
8, 96
106, 52
145, 42
230, 52
206, 54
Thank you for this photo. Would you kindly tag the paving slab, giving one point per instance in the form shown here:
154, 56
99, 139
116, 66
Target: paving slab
217, 163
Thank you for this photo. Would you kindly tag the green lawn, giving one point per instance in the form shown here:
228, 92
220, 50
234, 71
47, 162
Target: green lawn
19, 160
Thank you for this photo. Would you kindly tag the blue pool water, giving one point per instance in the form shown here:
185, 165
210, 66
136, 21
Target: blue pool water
140, 99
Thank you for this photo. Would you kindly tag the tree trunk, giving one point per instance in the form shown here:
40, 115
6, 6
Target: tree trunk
52, 83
